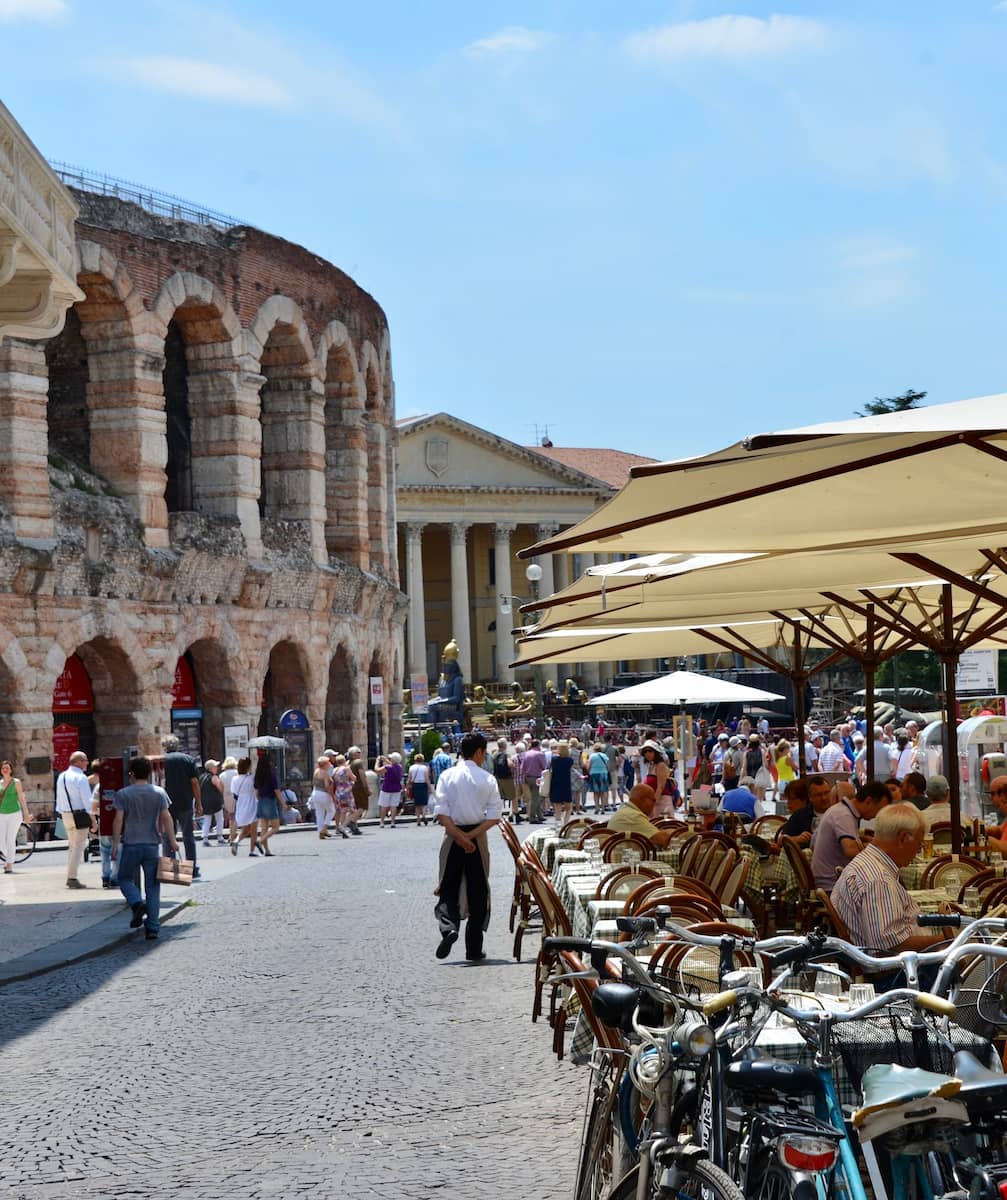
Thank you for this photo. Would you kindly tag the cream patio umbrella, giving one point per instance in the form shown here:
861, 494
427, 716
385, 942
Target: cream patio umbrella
931, 471
684, 687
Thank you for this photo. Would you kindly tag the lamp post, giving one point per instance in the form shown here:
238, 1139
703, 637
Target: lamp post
533, 573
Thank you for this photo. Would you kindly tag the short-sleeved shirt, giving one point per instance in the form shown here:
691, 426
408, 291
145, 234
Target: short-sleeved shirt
468, 795
629, 819
871, 900
142, 805
839, 824
179, 769
799, 821
741, 801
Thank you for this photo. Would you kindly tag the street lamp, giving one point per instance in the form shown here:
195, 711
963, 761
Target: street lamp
533, 573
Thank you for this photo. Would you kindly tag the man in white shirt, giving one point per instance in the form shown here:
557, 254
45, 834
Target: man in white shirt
467, 805
73, 794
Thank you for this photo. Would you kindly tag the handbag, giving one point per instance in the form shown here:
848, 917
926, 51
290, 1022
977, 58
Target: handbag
545, 783
81, 819
174, 870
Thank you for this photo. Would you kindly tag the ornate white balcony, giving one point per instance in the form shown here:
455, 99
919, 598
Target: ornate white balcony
38, 268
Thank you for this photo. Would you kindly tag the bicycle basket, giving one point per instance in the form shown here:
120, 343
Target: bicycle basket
888, 1037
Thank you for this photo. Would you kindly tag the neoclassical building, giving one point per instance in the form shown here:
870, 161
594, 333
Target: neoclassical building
197, 513
468, 501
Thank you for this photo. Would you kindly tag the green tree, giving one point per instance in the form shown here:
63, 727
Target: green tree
889, 404
917, 668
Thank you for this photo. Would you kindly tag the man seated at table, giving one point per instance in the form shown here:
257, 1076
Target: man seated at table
914, 789
634, 816
997, 834
837, 840
870, 898
798, 823
939, 795
741, 799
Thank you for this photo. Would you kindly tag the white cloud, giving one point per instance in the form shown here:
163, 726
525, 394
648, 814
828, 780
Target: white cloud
728, 36
207, 81
515, 39
33, 10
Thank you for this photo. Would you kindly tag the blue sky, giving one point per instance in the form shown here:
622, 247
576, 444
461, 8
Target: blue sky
651, 226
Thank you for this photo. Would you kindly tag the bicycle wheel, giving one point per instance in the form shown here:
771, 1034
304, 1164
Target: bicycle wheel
701, 1180
603, 1152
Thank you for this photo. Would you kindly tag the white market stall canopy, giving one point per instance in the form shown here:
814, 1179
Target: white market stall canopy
684, 687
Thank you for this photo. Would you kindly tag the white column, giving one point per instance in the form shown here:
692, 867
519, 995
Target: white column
590, 676
461, 626
414, 587
505, 623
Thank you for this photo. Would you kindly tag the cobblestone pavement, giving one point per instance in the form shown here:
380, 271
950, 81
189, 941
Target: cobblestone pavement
292, 1035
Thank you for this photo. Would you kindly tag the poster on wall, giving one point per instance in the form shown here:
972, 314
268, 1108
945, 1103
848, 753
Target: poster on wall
187, 725
377, 687
65, 740
235, 741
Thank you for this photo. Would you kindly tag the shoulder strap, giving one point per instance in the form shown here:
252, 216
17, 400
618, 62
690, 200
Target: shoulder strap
66, 792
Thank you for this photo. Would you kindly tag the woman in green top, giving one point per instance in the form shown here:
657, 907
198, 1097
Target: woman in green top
13, 810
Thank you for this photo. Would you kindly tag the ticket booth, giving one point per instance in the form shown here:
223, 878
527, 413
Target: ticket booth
186, 713
930, 749
297, 764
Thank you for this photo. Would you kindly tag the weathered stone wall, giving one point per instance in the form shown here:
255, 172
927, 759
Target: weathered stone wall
282, 563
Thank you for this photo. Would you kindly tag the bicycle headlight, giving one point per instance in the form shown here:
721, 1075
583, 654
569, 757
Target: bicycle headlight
698, 1040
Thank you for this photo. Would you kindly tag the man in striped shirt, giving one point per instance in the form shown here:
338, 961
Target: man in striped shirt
869, 896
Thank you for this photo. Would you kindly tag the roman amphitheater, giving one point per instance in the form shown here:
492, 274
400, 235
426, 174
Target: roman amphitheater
198, 516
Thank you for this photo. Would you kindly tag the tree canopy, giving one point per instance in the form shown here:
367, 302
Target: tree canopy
889, 404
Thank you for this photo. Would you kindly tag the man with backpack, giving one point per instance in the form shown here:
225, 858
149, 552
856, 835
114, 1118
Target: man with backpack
503, 773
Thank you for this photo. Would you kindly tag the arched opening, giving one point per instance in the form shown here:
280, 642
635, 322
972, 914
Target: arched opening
281, 402
285, 685
216, 693
346, 529
377, 499
186, 709
340, 701
67, 414
96, 703
178, 493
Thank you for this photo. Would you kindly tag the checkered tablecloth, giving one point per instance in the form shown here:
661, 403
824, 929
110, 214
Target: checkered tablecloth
546, 842
913, 873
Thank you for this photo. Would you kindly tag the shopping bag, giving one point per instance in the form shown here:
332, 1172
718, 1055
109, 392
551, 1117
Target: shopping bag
174, 870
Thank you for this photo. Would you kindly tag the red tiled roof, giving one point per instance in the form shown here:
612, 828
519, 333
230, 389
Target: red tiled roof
610, 466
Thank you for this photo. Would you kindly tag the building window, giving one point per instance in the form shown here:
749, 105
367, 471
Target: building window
493, 570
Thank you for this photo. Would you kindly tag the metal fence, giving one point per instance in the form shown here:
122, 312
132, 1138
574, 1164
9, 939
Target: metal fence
162, 204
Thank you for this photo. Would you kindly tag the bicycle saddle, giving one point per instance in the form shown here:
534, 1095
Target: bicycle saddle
900, 1096
754, 1071
983, 1091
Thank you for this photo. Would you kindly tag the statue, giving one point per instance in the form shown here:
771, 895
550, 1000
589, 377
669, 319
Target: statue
449, 703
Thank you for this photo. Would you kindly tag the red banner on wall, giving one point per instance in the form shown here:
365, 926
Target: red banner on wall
65, 740
183, 692
72, 692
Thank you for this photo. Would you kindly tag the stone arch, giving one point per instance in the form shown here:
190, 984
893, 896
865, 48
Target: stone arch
377, 717
92, 368
292, 465
286, 682
377, 463
115, 683
215, 650
346, 523
341, 700
200, 340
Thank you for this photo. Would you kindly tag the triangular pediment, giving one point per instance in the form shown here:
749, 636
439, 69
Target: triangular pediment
443, 451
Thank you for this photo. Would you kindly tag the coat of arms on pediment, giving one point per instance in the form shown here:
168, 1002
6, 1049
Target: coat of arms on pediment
437, 455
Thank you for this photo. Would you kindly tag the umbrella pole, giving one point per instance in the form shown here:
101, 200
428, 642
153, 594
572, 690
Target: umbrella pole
798, 680
949, 665
870, 663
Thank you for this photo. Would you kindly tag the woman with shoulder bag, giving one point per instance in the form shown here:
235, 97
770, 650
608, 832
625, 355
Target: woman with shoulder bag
211, 796
246, 807
13, 810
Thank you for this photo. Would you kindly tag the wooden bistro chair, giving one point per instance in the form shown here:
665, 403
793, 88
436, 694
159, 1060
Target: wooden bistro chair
691, 969
555, 923
621, 882
683, 908
605, 1036
768, 826
528, 912
600, 833
616, 846
808, 907
941, 831
946, 868
514, 846
576, 826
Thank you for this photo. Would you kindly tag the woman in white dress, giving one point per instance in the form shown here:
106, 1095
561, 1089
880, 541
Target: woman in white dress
246, 807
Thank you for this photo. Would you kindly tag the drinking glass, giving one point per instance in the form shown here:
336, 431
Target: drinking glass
860, 993
996, 858
631, 858
972, 900
928, 846
827, 984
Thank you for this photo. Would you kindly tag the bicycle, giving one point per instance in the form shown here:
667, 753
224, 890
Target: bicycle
25, 844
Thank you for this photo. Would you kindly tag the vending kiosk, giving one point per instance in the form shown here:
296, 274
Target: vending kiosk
982, 756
